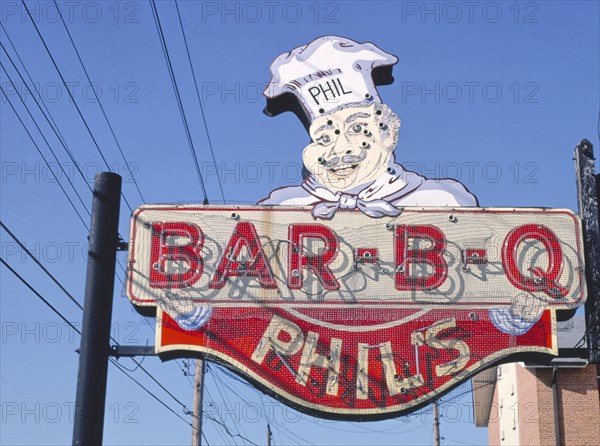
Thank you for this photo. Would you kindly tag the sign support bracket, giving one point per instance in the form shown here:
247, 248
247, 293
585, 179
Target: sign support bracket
129, 351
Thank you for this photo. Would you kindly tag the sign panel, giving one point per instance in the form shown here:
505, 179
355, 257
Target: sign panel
366, 290
355, 317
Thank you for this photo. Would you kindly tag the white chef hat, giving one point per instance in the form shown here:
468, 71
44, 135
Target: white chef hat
326, 74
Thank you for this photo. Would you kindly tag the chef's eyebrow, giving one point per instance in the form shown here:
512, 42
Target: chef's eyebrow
324, 127
356, 116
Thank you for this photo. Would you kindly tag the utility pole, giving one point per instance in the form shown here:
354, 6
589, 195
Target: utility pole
94, 349
198, 398
436, 425
269, 434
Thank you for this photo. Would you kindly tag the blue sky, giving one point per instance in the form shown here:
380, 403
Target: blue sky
495, 94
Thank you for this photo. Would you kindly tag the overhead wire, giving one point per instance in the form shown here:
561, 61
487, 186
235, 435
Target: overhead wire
206, 389
99, 103
42, 298
54, 127
85, 123
225, 397
165, 50
45, 160
273, 421
180, 102
187, 50
70, 296
229, 432
56, 131
61, 139
49, 115
43, 136
81, 218
72, 325
24, 248
122, 369
61, 316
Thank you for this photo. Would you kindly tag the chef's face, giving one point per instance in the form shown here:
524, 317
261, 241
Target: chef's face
351, 146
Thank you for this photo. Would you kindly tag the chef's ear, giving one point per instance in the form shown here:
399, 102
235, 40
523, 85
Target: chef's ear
389, 127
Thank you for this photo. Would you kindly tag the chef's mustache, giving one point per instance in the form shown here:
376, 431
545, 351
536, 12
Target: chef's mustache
346, 159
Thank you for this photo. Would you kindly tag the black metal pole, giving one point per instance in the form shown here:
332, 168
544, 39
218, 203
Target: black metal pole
97, 311
588, 211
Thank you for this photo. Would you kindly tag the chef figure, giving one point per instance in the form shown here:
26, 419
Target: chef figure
330, 85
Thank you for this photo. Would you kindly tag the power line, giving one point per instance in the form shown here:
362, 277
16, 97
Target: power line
42, 133
60, 315
138, 364
44, 158
265, 416
48, 118
71, 96
40, 265
220, 416
99, 103
223, 398
54, 125
187, 50
34, 291
229, 432
121, 368
49, 167
54, 128
178, 97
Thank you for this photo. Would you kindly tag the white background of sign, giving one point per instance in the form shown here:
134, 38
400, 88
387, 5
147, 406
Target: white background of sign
482, 285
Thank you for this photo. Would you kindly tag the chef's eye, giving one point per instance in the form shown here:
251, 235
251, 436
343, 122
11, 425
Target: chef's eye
324, 140
357, 128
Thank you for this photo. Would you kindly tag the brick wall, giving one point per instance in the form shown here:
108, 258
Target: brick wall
578, 401
579, 415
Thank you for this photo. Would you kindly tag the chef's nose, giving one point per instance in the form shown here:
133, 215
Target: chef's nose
341, 148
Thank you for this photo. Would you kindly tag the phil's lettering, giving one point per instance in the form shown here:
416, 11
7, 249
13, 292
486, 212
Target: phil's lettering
328, 91
292, 346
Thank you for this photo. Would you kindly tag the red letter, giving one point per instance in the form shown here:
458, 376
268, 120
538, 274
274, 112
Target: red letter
316, 263
165, 248
432, 256
244, 235
546, 281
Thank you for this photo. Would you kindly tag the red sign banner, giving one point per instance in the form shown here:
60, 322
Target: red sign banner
357, 317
